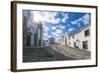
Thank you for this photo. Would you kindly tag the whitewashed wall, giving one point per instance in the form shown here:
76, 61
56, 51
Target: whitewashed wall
79, 36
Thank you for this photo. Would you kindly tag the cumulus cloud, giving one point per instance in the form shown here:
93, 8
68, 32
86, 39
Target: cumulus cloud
77, 22
37, 16
45, 32
45, 28
66, 16
46, 35
54, 27
57, 34
45, 17
61, 27
71, 29
84, 19
59, 31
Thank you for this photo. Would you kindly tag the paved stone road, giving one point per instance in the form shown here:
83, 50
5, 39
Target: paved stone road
42, 54
74, 53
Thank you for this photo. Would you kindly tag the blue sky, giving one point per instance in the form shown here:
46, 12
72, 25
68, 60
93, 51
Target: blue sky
57, 23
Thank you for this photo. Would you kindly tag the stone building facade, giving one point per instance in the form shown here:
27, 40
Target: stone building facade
32, 32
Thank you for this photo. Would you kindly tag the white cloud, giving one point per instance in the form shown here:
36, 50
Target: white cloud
37, 16
61, 27
46, 36
57, 36
65, 17
45, 17
76, 22
71, 29
45, 28
53, 20
45, 32
86, 19
54, 27
57, 33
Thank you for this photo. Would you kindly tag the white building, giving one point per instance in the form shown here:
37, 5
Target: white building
79, 39
62, 41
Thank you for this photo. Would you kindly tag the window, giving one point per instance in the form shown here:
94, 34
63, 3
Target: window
85, 44
87, 32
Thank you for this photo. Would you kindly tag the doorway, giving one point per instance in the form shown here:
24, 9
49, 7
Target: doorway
85, 44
